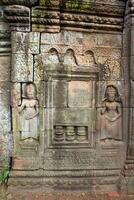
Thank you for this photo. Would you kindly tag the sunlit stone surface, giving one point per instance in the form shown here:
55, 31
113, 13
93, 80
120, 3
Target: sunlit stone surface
66, 99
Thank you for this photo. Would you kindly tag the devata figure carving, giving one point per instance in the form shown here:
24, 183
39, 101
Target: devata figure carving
29, 113
111, 115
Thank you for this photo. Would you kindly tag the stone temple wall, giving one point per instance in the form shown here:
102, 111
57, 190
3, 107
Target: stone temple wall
66, 97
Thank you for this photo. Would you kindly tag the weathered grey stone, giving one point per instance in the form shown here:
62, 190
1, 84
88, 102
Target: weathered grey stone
80, 94
5, 68
61, 107
5, 44
60, 94
110, 116
102, 88
15, 94
20, 2
22, 70
34, 40
52, 38
132, 42
4, 93
131, 67
46, 47
74, 116
38, 68
73, 38
126, 42
83, 160
25, 42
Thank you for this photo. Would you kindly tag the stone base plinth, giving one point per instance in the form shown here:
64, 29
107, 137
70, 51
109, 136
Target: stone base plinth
34, 195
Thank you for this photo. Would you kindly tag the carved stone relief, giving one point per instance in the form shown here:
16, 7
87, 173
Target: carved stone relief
110, 116
111, 69
20, 2
29, 111
25, 45
69, 58
70, 100
52, 58
70, 134
66, 77
90, 58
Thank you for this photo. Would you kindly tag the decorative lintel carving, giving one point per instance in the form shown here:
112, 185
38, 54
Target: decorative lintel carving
82, 16
17, 12
54, 15
27, 3
18, 17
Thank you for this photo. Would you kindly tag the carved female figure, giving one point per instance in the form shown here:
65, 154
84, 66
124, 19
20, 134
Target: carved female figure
111, 115
29, 113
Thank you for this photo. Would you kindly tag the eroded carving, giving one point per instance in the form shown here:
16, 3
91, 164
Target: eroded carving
90, 58
70, 134
111, 69
18, 17
69, 58
20, 2
59, 133
29, 111
110, 117
53, 57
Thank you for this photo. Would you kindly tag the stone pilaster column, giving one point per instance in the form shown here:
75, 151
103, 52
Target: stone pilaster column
14, 16
128, 63
18, 13
130, 55
5, 119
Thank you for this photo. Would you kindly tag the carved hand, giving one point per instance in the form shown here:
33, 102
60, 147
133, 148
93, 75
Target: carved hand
113, 119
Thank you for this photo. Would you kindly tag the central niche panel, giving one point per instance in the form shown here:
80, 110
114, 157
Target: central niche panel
80, 94
70, 111
72, 123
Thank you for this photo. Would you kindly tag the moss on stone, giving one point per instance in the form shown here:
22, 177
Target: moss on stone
72, 4
68, 4
44, 2
75, 4
4, 171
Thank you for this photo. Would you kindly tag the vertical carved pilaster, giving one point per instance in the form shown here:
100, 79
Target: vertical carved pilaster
130, 49
128, 63
5, 126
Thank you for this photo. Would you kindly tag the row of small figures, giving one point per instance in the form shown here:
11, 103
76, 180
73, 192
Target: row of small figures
70, 133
